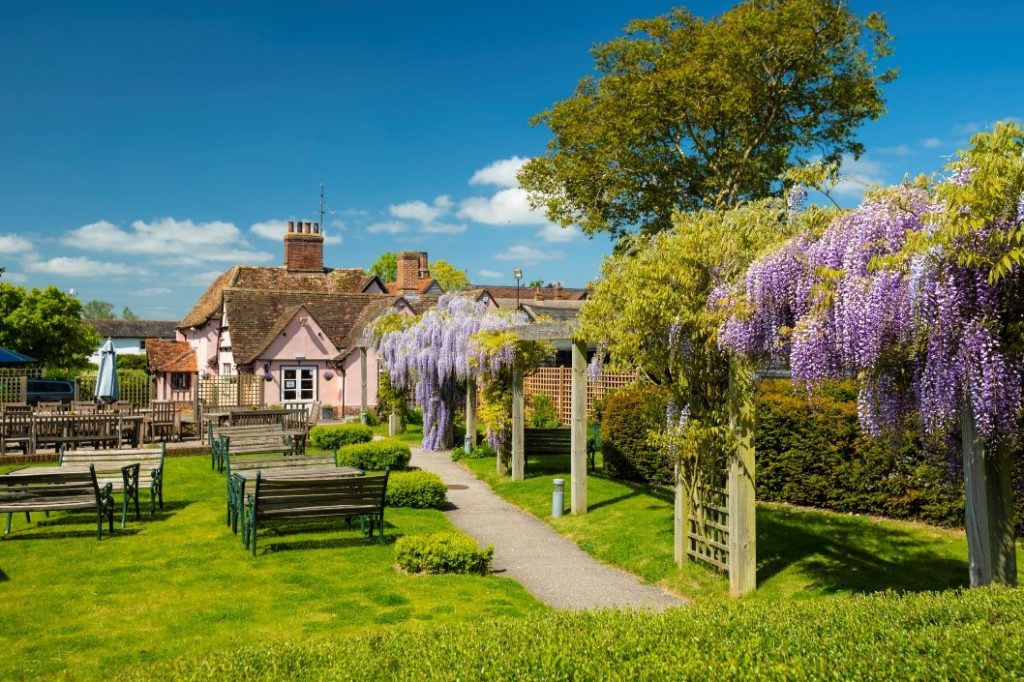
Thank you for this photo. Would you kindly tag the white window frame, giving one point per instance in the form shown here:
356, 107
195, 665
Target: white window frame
298, 388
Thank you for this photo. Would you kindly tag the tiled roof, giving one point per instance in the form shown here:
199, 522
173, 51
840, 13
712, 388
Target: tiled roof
527, 293
135, 329
559, 311
256, 317
424, 285
169, 356
276, 278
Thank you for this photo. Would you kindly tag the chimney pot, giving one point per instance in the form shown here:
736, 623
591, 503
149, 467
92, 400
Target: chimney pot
291, 225
309, 227
316, 228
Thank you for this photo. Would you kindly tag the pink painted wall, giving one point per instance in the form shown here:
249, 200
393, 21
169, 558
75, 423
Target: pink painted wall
310, 341
204, 342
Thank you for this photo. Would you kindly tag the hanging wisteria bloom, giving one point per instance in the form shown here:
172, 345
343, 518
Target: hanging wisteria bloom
918, 326
436, 356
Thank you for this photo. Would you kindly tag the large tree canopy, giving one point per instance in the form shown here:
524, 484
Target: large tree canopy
47, 325
686, 114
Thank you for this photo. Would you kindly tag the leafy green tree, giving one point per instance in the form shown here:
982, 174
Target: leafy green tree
449, 277
98, 310
687, 114
535, 283
134, 361
386, 267
46, 324
127, 314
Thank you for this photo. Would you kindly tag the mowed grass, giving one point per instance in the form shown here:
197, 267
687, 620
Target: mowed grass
800, 552
179, 583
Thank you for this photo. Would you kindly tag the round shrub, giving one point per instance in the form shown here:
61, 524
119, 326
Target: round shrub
416, 489
442, 553
334, 436
376, 455
631, 414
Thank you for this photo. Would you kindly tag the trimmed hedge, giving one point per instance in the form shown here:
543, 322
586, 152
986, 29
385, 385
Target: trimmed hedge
952, 635
813, 453
416, 489
442, 553
334, 436
375, 455
630, 415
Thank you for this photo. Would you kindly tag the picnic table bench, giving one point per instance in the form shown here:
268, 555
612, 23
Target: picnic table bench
281, 497
233, 440
238, 469
49, 489
123, 470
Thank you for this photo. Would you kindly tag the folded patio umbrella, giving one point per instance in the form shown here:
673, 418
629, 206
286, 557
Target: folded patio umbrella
107, 389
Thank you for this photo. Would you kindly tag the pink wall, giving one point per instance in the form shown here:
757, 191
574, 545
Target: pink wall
302, 336
204, 342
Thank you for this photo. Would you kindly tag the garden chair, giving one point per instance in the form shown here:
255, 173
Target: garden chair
162, 422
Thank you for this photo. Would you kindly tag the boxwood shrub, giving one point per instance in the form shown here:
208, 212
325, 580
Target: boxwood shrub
812, 452
442, 553
416, 489
375, 455
334, 436
630, 415
974, 635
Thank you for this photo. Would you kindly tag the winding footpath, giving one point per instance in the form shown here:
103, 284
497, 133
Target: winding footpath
526, 549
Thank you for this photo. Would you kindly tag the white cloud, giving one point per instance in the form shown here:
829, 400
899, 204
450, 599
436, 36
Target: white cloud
12, 243
393, 227
167, 237
858, 175
521, 253
931, 142
275, 229
421, 211
152, 291
490, 274
82, 267
556, 233
501, 173
443, 228
506, 207
15, 277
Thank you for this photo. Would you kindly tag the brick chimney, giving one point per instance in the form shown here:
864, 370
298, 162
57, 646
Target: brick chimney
409, 272
558, 291
303, 247
424, 266
538, 295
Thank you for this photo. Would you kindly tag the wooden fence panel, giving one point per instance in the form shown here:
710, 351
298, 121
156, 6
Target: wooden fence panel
134, 386
13, 382
242, 390
556, 383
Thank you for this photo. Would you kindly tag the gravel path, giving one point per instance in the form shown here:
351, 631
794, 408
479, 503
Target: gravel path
527, 550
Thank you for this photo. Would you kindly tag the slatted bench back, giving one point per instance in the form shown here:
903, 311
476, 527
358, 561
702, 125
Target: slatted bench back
547, 441
52, 491
236, 464
108, 463
283, 498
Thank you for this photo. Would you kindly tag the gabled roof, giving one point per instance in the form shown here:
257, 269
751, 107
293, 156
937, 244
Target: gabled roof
170, 356
135, 329
547, 293
275, 278
256, 317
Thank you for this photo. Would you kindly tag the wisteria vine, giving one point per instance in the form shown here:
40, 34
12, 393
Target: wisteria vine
875, 297
437, 355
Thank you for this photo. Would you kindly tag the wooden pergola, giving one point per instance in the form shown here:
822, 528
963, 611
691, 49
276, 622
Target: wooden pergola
552, 331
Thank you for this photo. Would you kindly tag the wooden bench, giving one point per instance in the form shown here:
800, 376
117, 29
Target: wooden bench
234, 440
554, 442
237, 465
276, 498
123, 470
49, 489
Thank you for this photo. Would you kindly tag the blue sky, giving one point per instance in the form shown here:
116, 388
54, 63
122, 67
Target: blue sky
146, 149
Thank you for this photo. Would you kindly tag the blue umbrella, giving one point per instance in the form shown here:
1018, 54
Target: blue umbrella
107, 389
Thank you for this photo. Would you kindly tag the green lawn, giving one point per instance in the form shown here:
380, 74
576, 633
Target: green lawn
181, 584
801, 553
413, 433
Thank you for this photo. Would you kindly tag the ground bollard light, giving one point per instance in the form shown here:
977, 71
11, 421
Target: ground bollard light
468, 443
558, 498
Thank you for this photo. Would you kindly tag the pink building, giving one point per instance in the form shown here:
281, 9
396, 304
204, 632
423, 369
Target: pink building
299, 326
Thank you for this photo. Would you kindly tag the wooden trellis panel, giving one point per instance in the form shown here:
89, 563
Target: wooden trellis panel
556, 383
707, 527
233, 390
13, 382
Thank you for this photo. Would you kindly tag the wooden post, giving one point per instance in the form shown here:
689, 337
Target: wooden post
362, 384
23, 389
742, 512
681, 518
991, 551
471, 410
518, 410
578, 470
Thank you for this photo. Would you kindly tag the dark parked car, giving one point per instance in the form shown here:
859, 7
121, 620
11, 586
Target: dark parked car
50, 390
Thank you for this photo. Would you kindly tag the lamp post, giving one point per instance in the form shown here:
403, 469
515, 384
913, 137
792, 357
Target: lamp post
518, 274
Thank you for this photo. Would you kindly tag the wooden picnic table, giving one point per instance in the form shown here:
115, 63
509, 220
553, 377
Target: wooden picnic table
56, 428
